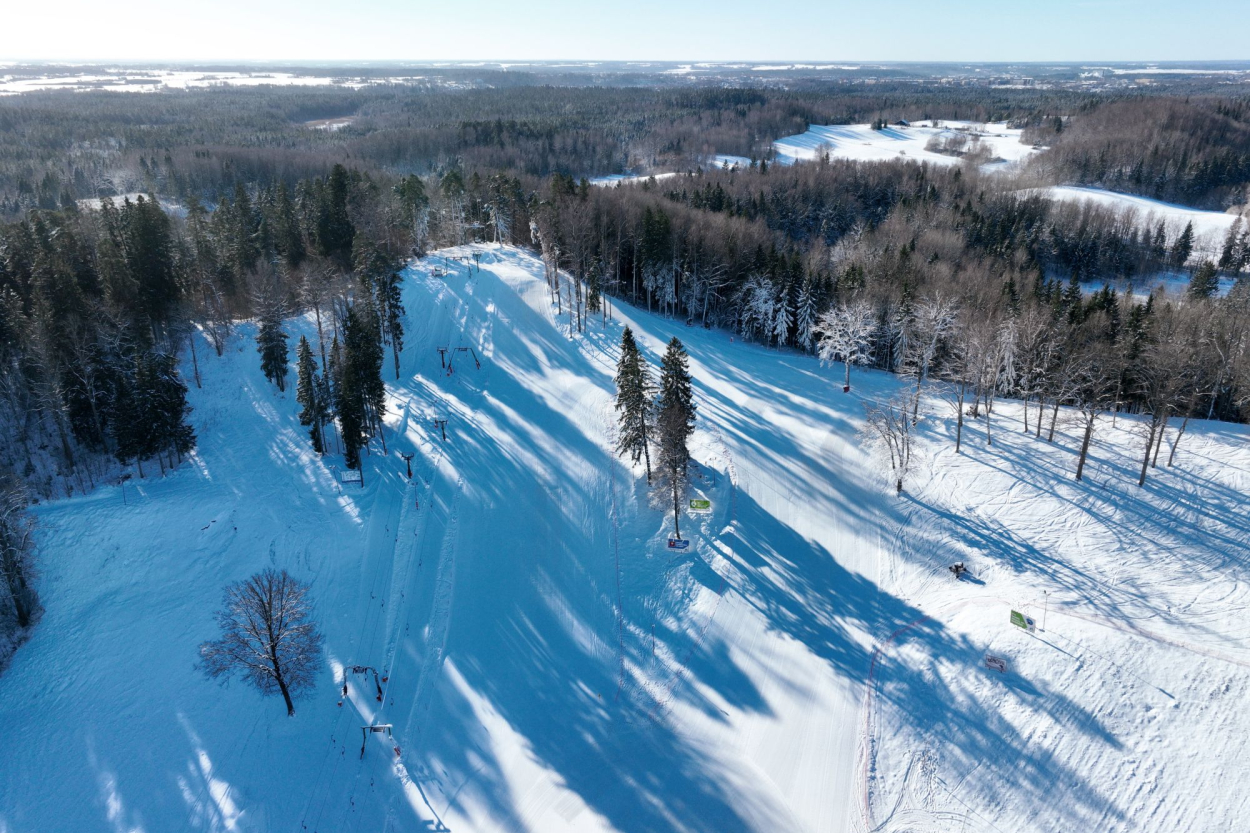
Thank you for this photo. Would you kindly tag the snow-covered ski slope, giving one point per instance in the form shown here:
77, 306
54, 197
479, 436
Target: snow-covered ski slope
808, 665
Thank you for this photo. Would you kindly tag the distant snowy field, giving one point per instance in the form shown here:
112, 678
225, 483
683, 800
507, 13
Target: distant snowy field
860, 142
808, 665
170, 205
1210, 227
151, 80
612, 180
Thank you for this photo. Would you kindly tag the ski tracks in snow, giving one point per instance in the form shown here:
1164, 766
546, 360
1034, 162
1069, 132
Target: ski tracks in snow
440, 613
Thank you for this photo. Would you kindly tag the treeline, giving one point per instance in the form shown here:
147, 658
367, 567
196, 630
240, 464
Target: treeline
1194, 152
90, 320
96, 306
19, 601
768, 251
56, 148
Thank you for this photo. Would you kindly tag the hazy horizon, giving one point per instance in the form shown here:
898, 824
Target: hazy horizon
977, 31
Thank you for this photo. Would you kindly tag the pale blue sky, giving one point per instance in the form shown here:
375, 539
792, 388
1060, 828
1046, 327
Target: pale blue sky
834, 30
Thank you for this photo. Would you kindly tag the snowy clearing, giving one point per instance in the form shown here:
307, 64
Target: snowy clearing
860, 142
1210, 227
1171, 283
613, 180
807, 665
153, 80
170, 205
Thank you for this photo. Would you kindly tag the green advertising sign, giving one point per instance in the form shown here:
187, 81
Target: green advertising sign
700, 503
1017, 619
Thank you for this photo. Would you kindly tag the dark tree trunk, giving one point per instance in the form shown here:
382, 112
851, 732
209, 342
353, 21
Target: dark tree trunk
959, 420
1163, 429
1089, 432
195, 363
1180, 433
1150, 441
676, 512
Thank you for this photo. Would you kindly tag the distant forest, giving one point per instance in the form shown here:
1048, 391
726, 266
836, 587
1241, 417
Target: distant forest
222, 205
59, 146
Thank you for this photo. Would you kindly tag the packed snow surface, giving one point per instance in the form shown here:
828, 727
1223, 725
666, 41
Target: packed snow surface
809, 664
860, 142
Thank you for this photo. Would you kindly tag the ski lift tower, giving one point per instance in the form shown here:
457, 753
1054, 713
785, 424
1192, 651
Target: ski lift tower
373, 729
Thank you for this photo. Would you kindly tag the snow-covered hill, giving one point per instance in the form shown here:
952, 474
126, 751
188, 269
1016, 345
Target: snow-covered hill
1210, 227
908, 143
809, 665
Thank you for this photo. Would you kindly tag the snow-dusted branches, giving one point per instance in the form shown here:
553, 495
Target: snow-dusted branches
846, 335
887, 433
19, 605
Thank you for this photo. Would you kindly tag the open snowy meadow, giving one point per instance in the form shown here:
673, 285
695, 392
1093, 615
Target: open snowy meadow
808, 664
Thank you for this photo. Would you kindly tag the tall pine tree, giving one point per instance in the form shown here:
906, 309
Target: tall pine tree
308, 393
360, 394
1183, 246
1205, 282
674, 424
634, 405
271, 344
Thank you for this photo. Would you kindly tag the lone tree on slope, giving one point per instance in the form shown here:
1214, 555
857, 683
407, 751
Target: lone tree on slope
675, 423
634, 393
887, 431
267, 636
846, 335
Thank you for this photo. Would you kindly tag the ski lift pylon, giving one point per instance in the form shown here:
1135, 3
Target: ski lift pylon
372, 729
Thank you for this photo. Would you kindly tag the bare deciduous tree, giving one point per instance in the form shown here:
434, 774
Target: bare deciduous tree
1095, 393
888, 432
846, 335
19, 605
267, 636
934, 321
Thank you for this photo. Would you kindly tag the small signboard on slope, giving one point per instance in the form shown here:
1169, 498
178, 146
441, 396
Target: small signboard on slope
996, 663
1021, 621
678, 543
700, 505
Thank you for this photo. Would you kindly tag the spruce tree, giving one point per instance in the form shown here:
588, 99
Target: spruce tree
675, 424
1184, 246
594, 295
380, 280
335, 231
1205, 281
308, 393
636, 410
348, 404
806, 316
171, 406
391, 307
150, 411
360, 393
271, 344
